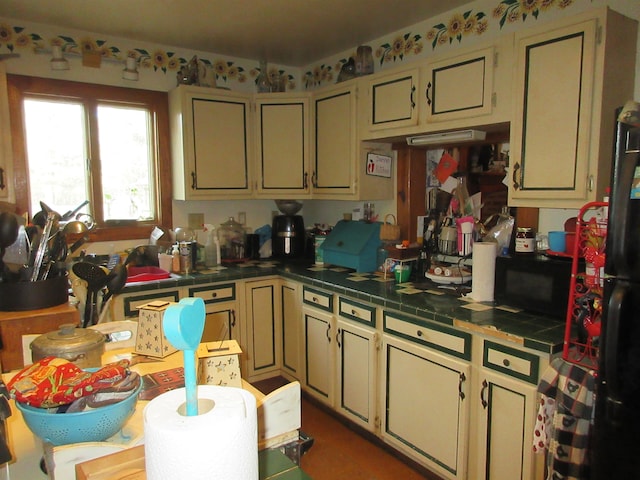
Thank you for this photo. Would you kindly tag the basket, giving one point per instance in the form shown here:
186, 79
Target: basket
389, 231
95, 425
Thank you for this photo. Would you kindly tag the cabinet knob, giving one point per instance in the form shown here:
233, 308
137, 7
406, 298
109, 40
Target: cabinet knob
420, 333
2, 179
354, 313
214, 294
506, 362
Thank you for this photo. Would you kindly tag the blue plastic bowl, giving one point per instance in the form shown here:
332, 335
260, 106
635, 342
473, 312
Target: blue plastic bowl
94, 425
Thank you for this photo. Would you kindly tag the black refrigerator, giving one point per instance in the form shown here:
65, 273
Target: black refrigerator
615, 448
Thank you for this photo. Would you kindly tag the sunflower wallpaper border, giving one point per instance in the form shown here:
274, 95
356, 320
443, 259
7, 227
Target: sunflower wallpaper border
457, 28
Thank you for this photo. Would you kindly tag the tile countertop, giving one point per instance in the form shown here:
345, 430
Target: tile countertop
443, 306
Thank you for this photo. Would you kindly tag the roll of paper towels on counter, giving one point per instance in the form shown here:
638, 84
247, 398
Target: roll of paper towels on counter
221, 442
483, 271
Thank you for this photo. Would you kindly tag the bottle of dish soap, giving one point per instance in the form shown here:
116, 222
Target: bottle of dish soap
212, 247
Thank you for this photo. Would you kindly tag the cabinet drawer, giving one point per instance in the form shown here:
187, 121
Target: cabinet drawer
214, 293
318, 299
357, 311
438, 337
515, 363
132, 303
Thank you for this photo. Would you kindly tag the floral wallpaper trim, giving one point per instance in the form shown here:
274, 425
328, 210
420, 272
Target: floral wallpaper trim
458, 27
14, 38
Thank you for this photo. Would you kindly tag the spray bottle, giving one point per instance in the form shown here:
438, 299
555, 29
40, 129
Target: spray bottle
212, 247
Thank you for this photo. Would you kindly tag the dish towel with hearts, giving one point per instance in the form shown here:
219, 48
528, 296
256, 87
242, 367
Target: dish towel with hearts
564, 421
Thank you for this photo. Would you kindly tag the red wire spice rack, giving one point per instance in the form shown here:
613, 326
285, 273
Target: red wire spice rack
584, 308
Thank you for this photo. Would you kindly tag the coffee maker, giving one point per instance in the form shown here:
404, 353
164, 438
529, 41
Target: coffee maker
288, 237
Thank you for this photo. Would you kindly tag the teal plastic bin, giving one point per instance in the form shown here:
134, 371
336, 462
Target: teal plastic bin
353, 245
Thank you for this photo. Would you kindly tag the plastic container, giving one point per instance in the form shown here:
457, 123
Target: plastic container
212, 247
231, 236
19, 296
402, 272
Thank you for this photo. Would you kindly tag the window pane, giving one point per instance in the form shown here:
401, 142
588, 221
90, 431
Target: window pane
56, 153
126, 159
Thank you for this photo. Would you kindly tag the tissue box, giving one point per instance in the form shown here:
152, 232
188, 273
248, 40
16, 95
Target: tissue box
150, 339
218, 364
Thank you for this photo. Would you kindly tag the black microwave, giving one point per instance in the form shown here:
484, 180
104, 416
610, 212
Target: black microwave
535, 283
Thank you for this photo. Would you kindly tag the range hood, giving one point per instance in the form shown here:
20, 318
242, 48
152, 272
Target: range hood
447, 137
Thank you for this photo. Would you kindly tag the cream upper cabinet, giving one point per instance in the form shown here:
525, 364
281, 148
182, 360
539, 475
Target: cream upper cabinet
210, 143
570, 77
391, 100
335, 141
341, 161
6, 155
282, 145
468, 88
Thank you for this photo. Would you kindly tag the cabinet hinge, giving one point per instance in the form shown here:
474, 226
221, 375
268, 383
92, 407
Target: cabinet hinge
494, 99
599, 34
377, 423
495, 59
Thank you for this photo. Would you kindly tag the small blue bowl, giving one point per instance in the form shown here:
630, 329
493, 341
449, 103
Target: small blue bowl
95, 425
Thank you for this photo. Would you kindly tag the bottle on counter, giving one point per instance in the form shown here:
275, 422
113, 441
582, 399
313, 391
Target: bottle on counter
175, 259
212, 247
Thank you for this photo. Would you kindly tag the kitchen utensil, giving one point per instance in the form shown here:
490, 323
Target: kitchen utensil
82, 346
96, 279
183, 325
117, 279
43, 247
70, 214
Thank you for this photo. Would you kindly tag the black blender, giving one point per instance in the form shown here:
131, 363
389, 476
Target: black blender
288, 237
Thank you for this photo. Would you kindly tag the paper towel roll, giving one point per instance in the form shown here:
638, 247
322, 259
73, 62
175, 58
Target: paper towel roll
221, 442
484, 271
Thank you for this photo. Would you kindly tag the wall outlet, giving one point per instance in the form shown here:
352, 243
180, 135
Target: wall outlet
195, 220
242, 218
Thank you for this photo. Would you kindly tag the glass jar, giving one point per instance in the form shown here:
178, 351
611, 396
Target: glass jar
263, 82
525, 241
232, 238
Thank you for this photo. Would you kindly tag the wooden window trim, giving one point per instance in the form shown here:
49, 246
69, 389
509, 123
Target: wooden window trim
19, 85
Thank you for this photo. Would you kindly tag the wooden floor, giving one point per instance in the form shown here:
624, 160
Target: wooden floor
340, 452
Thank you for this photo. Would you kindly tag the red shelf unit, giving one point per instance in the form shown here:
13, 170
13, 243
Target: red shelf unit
584, 308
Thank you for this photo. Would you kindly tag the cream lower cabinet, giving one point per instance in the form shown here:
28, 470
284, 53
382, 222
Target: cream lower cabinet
222, 311
570, 78
504, 413
319, 344
426, 393
211, 140
292, 331
263, 328
357, 345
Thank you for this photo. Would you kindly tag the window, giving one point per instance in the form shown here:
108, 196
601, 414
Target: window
75, 142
